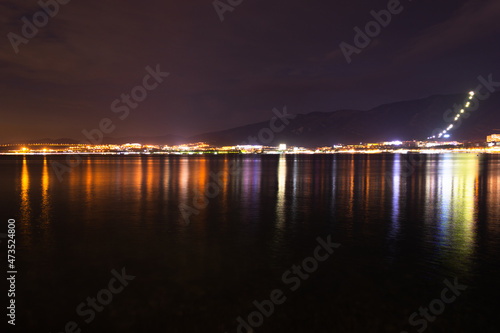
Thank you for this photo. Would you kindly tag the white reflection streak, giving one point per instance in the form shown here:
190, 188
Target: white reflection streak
280, 207
445, 186
334, 184
396, 182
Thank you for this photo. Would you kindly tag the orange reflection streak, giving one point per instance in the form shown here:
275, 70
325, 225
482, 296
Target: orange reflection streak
225, 178
166, 178
88, 185
202, 175
150, 178
25, 199
45, 193
351, 189
367, 183
201, 172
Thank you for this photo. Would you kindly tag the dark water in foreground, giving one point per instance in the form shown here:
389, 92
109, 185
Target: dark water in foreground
403, 230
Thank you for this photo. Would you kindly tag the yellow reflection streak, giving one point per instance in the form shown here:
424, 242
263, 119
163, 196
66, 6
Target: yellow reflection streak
455, 211
462, 232
45, 194
25, 200
493, 200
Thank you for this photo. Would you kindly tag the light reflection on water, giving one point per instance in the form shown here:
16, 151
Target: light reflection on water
400, 226
441, 207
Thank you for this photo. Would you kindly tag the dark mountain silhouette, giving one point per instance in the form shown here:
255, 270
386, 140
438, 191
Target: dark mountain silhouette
53, 141
147, 140
407, 120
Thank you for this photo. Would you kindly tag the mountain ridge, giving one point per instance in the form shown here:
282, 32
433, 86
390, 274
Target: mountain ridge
402, 120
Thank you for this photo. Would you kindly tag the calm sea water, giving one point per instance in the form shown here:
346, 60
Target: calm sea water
404, 227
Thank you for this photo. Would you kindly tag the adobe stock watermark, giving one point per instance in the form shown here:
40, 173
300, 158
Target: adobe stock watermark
293, 279
120, 106
87, 310
436, 306
372, 29
459, 112
264, 136
49, 9
222, 6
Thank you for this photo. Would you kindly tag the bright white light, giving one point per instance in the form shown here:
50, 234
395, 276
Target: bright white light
462, 111
282, 146
447, 136
393, 143
467, 105
472, 93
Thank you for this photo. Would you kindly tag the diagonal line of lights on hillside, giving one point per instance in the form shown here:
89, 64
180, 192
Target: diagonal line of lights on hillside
457, 117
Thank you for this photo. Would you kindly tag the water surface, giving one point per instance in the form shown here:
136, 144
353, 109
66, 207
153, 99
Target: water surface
404, 227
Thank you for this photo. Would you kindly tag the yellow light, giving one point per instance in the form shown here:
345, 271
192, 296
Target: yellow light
467, 105
462, 111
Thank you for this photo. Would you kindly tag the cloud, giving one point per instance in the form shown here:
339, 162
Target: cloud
473, 20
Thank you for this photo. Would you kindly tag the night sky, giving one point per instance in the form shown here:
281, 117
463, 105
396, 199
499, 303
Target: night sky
264, 54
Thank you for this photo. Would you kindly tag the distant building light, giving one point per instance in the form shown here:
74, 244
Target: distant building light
249, 147
393, 143
493, 138
282, 146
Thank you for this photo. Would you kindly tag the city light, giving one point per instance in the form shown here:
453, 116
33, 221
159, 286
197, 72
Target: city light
457, 116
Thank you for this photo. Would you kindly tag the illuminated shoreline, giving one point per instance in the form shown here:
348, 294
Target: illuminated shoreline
202, 148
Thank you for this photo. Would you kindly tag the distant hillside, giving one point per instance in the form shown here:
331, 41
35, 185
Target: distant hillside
406, 120
53, 141
147, 140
